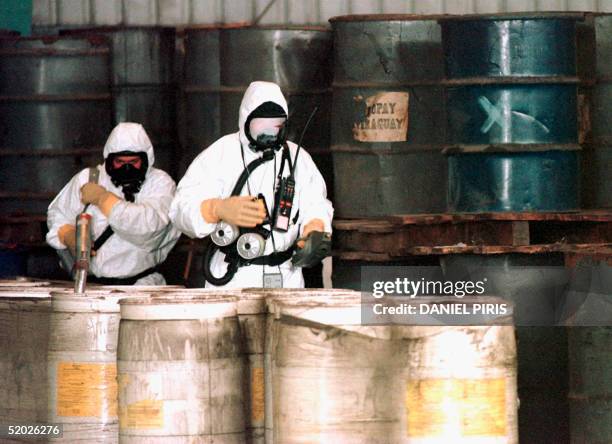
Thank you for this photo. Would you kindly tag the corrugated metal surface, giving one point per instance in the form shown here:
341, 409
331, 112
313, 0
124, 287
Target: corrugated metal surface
182, 12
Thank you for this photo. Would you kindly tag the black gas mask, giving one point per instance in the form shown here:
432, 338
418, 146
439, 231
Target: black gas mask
127, 177
266, 127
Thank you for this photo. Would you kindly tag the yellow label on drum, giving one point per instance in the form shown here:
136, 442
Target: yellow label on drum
459, 407
145, 414
385, 120
257, 394
86, 389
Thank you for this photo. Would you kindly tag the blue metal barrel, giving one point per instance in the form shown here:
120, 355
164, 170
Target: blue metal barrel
512, 108
540, 180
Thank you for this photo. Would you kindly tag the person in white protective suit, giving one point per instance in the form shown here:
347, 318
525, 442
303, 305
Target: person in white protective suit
211, 195
129, 207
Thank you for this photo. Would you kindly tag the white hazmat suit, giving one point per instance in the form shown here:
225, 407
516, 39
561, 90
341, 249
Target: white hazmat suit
215, 171
143, 235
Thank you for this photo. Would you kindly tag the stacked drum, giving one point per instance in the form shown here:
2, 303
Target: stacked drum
55, 115
512, 112
599, 152
388, 119
143, 85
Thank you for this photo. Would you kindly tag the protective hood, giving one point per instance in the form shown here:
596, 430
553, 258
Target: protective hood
256, 94
129, 137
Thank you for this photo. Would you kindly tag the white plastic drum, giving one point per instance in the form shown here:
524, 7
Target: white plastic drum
181, 366
456, 384
82, 365
24, 338
269, 295
331, 375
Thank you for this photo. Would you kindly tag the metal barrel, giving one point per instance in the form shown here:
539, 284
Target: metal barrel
185, 385
511, 98
144, 85
200, 106
444, 399
535, 284
588, 312
55, 114
590, 388
388, 117
598, 153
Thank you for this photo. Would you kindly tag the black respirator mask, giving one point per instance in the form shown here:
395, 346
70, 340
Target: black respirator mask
127, 177
266, 127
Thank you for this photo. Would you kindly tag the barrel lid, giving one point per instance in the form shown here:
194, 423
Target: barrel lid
340, 309
249, 26
386, 17
22, 281
276, 294
177, 306
507, 16
28, 292
97, 301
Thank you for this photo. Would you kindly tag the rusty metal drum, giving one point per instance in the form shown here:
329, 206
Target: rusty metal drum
388, 117
144, 84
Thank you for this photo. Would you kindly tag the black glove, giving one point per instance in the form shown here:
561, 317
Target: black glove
316, 247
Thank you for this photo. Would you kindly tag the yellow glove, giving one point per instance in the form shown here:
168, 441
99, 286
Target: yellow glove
92, 193
67, 236
313, 225
243, 211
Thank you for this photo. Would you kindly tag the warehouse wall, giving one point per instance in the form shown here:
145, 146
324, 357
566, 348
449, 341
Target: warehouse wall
182, 12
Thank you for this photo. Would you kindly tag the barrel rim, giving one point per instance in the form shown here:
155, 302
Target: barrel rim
238, 26
508, 16
106, 29
177, 298
188, 307
508, 148
386, 17
92, 301
51, 39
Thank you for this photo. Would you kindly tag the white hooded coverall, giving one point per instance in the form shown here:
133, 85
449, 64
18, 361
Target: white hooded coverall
143, 235
215, 171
